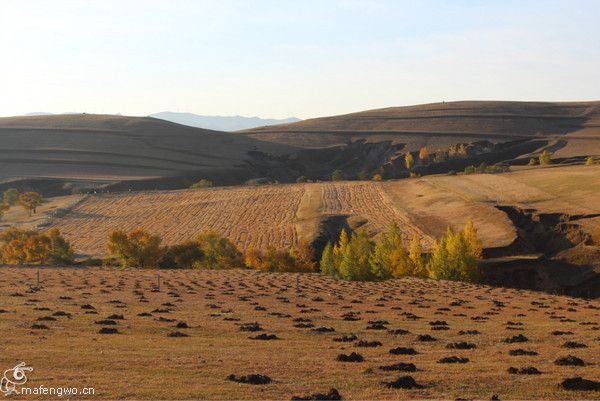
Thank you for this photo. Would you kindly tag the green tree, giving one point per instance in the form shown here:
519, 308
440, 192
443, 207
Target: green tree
545, 158
438, 265
415, 255
30, 201
184, 255
10, 196
327, 263
301, 179
219, 252
362, 248
337, 175
340, 248
135, 249
203, 183
363, 175
61, 251
475, 245
349, 264
388, 256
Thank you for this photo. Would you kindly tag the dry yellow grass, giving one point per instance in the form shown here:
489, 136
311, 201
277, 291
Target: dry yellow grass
17, 216
142, 362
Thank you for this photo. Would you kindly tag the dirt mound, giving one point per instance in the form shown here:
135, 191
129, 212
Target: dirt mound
250, 379
353, 357
580, 384
332, 395
405, 382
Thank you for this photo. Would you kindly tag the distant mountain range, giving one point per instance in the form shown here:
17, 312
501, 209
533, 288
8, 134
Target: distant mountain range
217, 123
220, 123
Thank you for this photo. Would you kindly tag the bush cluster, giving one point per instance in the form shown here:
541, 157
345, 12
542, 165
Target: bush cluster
485, 169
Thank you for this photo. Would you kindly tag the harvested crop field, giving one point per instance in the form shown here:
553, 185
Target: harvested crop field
277, 215
283, 215
211, 334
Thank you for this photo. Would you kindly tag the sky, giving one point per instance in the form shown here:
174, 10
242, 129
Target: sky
282, 58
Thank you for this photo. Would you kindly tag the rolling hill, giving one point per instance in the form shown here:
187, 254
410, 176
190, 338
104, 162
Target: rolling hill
55, 153
109, 149
572, 127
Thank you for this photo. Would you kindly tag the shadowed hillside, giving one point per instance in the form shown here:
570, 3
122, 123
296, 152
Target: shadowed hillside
438, 125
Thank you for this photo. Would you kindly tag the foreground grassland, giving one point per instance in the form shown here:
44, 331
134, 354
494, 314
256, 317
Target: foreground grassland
142, 361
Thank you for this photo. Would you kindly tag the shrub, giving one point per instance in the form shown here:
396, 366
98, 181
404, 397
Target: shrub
301, 179
29, 246
298, 259
30, 201
545, 158
589, 161
532, 162
10, 196
362, 175
135, 249
185, 255
377, 177
219, 252
440, 156
337, 175
203, 183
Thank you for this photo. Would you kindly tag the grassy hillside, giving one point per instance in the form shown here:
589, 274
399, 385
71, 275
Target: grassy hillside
438, 125
106, 148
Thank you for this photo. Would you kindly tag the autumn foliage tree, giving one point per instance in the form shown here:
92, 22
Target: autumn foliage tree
545, 158
356, 257
135, 249
409, 161
423, 154
455, 255
32, 247
298, 259
30, 201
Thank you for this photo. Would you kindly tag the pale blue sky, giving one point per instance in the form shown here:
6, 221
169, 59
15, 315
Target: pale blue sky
291, 58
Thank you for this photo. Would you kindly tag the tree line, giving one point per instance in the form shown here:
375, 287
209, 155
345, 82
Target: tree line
454, 256
354, 257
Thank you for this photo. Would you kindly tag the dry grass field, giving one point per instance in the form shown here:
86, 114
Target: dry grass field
282, 215
278, 215
184, 341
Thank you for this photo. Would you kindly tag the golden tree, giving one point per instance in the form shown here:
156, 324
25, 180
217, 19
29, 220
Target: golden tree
409, 161
30, 201
423, 154
545, 158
